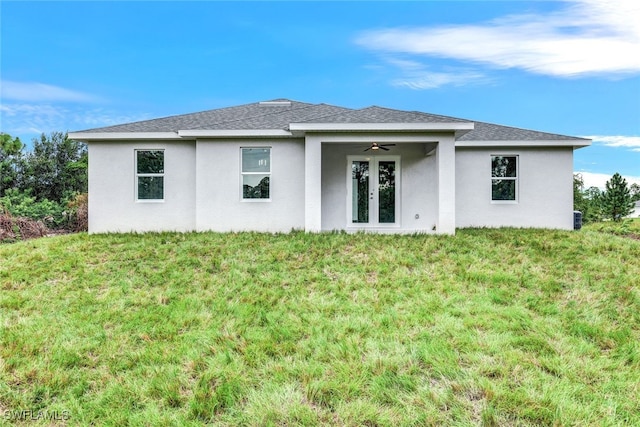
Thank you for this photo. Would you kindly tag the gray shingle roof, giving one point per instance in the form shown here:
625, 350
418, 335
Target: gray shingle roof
211, 119
376, 114
278, 117
279, 113
490, 132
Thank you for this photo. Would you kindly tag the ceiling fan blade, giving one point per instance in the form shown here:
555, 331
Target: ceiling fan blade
387, 145
368, 149
383, 148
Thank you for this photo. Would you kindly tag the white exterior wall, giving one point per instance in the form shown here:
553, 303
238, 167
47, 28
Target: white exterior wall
418, 191
312, 184
545, 189
219, 204
202, 186
446, 172
112, 184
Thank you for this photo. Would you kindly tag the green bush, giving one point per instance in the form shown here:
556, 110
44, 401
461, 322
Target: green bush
22, 204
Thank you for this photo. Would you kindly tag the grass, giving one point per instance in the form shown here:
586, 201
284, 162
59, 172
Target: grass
490, 327
626, 227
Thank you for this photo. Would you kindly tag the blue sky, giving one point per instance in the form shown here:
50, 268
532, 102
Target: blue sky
563, 67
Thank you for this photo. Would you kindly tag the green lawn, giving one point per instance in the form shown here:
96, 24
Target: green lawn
490, 327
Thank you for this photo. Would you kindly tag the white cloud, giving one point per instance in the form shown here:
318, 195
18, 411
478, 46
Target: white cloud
415, 75
585, 37
432, 80
599, 180
30, 118
631, 142
27, 120
406, 64
41, 92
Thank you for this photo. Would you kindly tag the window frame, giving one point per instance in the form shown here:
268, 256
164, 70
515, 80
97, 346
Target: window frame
139, 175
516, 179
243, 173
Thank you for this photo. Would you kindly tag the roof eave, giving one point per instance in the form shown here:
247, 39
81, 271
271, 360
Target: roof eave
459, 129
234, 133
179, 135
575, 143
381, 127
126, 136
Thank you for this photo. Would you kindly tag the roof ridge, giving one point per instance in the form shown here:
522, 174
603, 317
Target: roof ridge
335, 114
422, 113
332, 114
276, 110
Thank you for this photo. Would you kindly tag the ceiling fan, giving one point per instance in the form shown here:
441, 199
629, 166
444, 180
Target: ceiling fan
375, 146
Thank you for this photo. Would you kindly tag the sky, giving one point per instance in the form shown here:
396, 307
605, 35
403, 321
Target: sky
567, 67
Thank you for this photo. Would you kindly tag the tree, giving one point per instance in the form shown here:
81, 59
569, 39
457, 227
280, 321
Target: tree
617, 201
635, 192
11, 162
593, 203
579, 201
56, 168
588, 201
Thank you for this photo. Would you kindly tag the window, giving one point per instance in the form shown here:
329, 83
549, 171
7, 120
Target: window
504, 178
149, 174
256, 173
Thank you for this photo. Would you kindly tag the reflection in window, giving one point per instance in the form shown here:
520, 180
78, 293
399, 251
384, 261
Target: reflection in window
149, 174
504, 178
256, 172
387, 191
360, 192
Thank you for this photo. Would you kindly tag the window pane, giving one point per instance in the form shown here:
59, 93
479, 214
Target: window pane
256, 160
150, 188
502, 189
360, 192
502, 166
387, 192
255, 186
150, 161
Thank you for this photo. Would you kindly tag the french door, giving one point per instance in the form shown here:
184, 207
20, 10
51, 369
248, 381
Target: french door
373, 193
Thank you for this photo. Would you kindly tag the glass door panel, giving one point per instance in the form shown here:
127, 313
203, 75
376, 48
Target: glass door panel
360, 192
373, 190
387, 192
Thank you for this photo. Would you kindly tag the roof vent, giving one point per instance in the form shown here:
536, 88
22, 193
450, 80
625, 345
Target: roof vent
275, 104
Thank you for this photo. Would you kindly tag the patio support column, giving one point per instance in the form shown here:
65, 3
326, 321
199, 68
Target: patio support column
312, 184
446, 163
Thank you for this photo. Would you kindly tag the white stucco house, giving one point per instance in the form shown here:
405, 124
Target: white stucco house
280, 165
636, 211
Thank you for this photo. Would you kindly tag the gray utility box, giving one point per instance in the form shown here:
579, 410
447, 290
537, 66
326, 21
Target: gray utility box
577, 220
